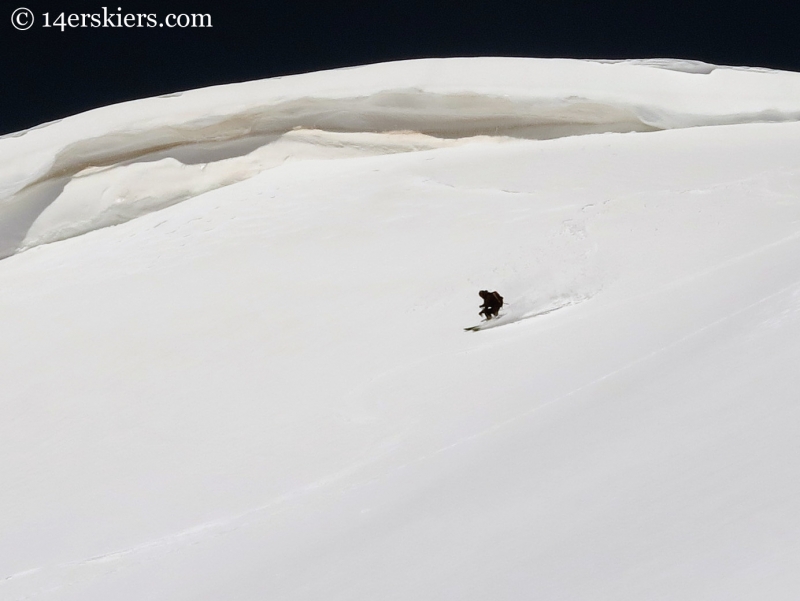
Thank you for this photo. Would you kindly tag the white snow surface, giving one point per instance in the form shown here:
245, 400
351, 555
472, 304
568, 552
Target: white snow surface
264, 390
109, 165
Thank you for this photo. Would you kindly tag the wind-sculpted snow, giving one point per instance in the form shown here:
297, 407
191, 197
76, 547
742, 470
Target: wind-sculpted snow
100, 166
266, 391
103, 196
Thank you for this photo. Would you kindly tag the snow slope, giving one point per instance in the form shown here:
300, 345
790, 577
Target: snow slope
115, 163
264, 391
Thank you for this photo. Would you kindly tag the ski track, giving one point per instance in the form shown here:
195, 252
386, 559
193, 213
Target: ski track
207, 531
500, 321
172, 543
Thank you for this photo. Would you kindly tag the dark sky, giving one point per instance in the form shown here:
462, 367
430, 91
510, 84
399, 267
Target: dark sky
48, 73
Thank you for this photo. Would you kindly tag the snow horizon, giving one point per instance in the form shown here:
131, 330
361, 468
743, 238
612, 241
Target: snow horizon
195, 141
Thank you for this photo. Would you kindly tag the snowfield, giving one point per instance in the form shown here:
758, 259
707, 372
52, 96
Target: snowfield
235, 364
109, 165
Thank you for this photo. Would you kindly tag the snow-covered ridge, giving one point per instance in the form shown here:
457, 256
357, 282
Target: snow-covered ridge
267, 392
111, 164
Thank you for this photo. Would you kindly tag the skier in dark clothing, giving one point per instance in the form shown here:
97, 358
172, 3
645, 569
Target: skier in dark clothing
492, 302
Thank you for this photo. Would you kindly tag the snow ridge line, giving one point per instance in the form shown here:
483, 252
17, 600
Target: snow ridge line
441, 115
445, 99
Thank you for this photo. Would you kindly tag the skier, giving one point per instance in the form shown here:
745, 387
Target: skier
492, 302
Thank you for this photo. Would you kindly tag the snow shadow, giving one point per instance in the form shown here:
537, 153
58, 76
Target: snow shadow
237, 131
198, 153
18, 214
